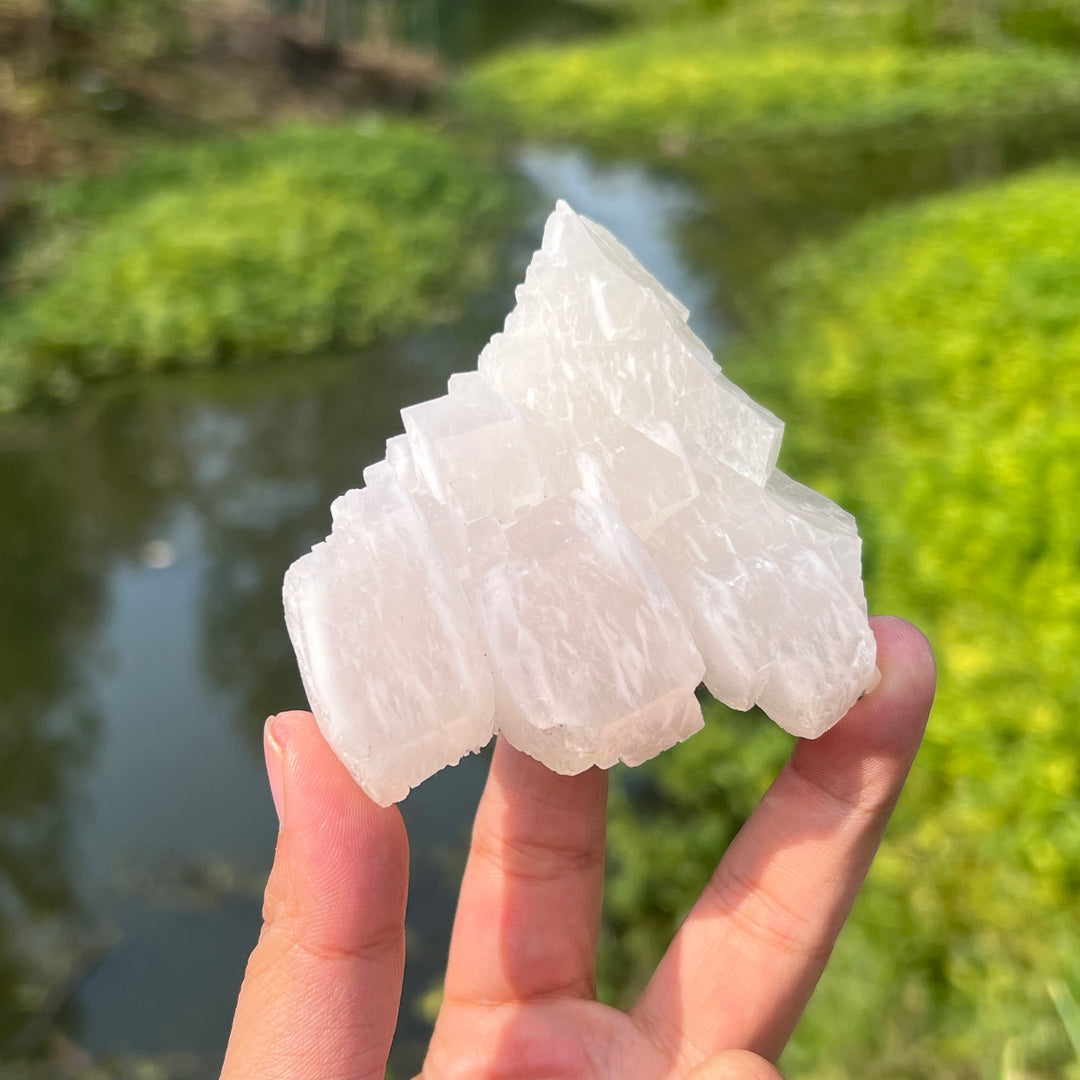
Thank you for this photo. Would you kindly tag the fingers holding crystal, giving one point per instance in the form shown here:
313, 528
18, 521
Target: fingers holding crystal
595, 498
749, 954
529, 913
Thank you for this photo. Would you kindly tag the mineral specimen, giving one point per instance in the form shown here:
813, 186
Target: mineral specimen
569, 541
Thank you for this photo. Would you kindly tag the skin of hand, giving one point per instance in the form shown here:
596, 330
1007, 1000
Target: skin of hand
320, 997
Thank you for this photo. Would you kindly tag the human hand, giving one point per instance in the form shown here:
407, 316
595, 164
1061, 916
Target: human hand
320, 997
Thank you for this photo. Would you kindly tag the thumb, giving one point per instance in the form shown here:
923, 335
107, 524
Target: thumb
321, 992
734, 1065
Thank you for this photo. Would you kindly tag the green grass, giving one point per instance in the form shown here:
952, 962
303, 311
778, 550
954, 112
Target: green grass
286, 242
705, 87
928, 366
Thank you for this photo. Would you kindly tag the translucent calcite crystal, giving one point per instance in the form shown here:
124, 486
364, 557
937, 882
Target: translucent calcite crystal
593, 660
564, 545
391, 657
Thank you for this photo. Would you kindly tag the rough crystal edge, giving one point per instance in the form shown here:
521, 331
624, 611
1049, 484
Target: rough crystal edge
416, 760
549, 746
613, 250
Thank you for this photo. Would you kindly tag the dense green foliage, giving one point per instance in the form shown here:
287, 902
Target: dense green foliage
710, 85
285, 242
928, 364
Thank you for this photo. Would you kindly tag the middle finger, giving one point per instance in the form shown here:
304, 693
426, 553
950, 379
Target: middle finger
529, 914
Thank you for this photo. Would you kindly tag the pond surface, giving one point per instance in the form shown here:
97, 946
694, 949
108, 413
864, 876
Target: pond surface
145, 535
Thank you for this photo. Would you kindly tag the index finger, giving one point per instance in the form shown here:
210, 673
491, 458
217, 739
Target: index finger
320, 995
745, 961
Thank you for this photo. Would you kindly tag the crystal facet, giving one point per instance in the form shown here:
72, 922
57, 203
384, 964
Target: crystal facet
564, 545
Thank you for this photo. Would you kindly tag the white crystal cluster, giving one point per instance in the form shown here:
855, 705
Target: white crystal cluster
566, 544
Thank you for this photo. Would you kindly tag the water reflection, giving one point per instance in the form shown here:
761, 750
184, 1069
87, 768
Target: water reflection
51, 598
145, 537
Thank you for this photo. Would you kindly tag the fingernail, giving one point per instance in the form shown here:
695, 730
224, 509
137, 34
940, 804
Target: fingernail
275, 765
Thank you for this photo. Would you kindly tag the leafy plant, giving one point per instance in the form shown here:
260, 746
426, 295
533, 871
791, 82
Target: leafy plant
286, 242
710, 86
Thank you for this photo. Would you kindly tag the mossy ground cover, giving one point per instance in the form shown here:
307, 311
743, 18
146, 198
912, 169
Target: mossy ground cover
289, 241
928, 365
702, 87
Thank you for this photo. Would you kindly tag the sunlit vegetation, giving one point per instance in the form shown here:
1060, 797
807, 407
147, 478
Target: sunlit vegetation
928, 366
291, 241
682, 90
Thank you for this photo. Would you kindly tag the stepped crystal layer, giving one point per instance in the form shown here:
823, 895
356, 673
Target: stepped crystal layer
569, 541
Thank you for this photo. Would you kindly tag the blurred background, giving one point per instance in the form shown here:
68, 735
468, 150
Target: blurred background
236, 236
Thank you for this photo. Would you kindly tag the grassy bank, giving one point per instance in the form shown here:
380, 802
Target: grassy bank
289, 241
699, 89
927, 364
